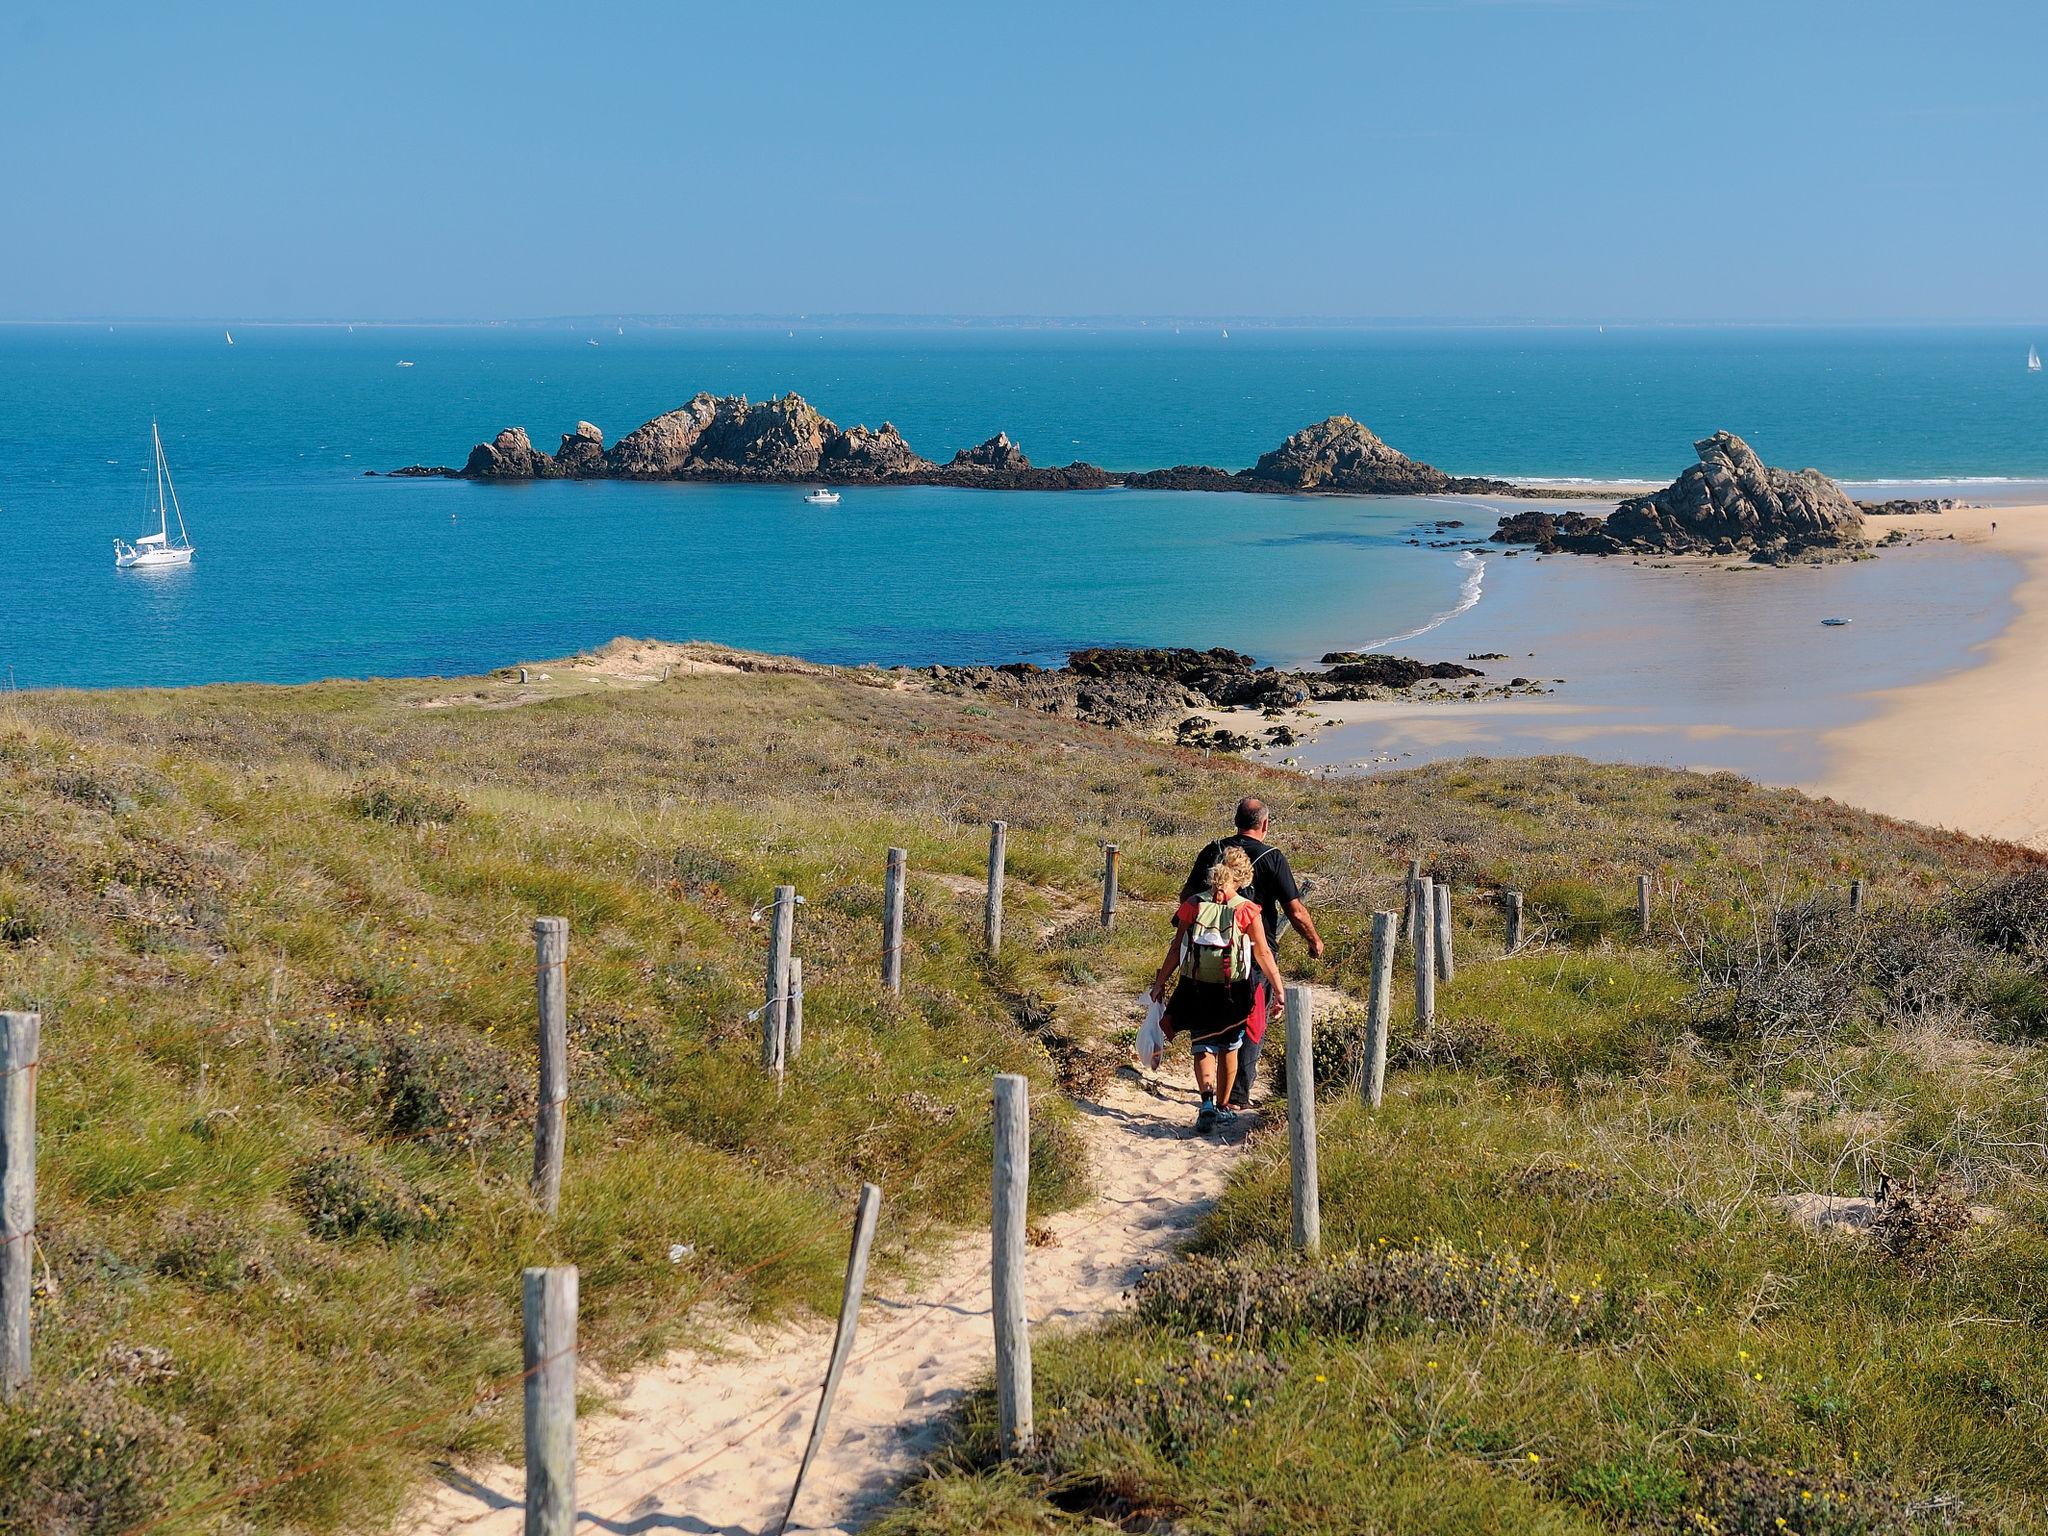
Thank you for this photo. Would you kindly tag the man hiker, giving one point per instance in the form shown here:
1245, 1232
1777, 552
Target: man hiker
1280, 904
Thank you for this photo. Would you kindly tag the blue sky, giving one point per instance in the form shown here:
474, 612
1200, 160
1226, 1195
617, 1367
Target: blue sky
1471, 159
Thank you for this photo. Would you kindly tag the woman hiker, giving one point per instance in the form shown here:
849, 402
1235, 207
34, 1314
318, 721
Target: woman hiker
1219, 945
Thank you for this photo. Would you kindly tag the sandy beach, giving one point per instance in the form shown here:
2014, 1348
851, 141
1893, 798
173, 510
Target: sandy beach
1970, 750
1918, 708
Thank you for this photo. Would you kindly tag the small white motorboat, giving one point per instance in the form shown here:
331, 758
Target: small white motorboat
1833, 623
156, 549
823, 498
401, 363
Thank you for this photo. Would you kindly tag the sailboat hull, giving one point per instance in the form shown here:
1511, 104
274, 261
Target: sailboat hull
133, 559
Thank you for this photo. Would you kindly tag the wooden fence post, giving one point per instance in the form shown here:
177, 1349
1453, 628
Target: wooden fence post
998, 859
1446, 967
1425, 955
1007, 1252
1408, 900
21, 1037
1379, 1007
866, 1212
1856, 898
1109, 866
1514, 905
775, 985
1643, 906
794, 1035
1301, 1118
551, 1116
892, 920
549, 1297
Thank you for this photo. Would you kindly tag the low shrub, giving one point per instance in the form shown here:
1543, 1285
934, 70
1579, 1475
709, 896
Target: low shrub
406, 805
1916, 1227
342, 1195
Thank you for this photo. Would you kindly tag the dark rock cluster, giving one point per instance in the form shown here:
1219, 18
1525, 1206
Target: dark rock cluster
1149, 689
1909, 506
1731, 502
728, 438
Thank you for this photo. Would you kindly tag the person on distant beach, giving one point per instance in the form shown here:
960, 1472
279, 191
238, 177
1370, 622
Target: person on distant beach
1219, 946
1280, 903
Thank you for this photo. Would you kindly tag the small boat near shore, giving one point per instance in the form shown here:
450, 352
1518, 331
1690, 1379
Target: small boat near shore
156, 549
823, 498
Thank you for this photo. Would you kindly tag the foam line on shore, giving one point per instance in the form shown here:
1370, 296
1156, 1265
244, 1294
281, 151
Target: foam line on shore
1469, 591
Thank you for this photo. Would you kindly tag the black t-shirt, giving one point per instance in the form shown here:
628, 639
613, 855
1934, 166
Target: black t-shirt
1273, 884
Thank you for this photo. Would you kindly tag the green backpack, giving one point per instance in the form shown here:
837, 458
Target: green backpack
1215, 949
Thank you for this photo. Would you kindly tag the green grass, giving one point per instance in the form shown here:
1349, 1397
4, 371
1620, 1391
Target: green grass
280, 942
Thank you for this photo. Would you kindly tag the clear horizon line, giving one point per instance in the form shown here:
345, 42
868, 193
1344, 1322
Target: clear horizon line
906, 320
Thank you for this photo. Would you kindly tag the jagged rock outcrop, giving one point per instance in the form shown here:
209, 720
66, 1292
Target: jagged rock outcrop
1339, 454
508, 456
1909, 506
581, 456
997, 453
881, 455
661, 449
1391, 671
1731, 502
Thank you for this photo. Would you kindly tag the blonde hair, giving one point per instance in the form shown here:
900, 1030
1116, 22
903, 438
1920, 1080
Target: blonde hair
1233, 867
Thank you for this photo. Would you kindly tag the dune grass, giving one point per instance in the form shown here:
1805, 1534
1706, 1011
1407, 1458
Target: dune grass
280, 941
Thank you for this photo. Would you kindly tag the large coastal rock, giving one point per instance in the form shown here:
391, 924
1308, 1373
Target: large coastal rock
1731, 502
878, 455
661, 449
1340, 454
997, 453
581, 456
1732, 499
508, 456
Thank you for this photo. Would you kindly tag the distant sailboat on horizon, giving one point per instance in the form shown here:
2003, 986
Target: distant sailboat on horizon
2033, 359
230, 336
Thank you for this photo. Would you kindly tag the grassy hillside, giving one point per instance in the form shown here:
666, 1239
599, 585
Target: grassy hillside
280, 942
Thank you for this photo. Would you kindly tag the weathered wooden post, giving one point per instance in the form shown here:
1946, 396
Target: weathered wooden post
549, 1297
1513, 901
794, 1035
1643, 905
21, 1036
1408, 899
998, 859
551, 1116
1007, 1252
1301, 1119
1425, 956
1856, 897
775, 985
892, 920
866, 1212
1446, 967
1379, 1007
1109, 865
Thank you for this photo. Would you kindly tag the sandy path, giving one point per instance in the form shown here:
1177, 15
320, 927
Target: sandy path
708, 1443
1969, 751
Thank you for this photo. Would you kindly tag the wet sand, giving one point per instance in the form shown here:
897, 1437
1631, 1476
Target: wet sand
1918, 707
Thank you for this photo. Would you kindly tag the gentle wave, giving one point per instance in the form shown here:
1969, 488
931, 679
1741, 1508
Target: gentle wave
1468, 599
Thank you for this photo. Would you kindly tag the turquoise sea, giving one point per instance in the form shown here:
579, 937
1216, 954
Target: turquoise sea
308, 569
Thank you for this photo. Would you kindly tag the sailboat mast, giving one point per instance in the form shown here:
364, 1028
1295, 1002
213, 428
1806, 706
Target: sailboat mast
156, 441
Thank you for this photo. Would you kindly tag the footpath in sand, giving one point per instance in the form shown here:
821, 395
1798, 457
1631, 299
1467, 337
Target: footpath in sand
709, 1443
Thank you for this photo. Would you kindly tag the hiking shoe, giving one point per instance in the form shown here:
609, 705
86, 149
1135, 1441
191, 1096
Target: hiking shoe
1205, 1122
1226, 1115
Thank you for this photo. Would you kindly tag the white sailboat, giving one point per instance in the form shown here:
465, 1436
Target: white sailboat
154, 549
230, 336
2033, 359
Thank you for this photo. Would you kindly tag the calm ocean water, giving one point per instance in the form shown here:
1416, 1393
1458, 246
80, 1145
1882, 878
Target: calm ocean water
306, 569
